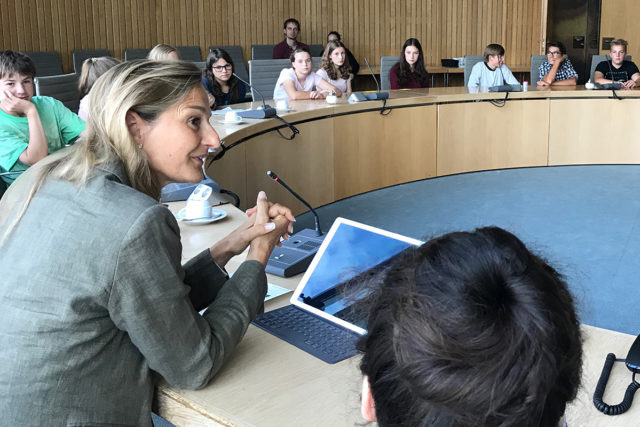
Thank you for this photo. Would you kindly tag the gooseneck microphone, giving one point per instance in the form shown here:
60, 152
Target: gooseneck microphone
267, 110
361, 96
275, 177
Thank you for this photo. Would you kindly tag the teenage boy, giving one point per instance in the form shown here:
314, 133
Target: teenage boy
30, 126
284, 49
618, 69
557, 69
493, 71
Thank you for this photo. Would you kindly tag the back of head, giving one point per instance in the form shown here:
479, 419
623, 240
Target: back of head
472, 329
493, 49
12, 62
92, 68
161, 52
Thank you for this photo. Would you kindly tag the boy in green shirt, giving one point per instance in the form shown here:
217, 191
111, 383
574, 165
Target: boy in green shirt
30, 126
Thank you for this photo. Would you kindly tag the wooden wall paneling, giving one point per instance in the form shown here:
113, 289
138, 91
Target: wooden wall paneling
522, 140
578, 136
619, 19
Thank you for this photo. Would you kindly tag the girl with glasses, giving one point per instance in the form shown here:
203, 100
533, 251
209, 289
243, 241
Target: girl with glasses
223, 88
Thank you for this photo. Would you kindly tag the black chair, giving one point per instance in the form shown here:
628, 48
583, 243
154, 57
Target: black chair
262, 51
47, 63
189, 53
79, 56
64, 88
131, 54
316, 49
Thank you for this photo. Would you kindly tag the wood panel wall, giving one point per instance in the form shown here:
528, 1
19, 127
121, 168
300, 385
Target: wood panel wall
619, 19
446, 28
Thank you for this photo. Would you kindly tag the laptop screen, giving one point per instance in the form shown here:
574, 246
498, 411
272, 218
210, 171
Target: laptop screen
347, 253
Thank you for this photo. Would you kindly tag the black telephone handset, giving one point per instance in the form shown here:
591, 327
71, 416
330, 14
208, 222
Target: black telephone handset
633, 363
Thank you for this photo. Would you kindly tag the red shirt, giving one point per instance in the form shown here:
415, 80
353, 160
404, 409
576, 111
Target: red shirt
412, 84
283, 51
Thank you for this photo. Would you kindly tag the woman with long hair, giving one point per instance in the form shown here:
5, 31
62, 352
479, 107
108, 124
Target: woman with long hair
94, 302
300, 82
335, 68
409, 72
163, 52
92, 68
222, 86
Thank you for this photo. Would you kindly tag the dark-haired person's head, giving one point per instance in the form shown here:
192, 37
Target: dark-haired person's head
291, 28
219, 65
470, 329
12, 62
334, 35
412, 53
559, 45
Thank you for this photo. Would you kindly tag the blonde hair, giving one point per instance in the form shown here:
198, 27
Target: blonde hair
92, 68
618, 42
146, 87
161, 52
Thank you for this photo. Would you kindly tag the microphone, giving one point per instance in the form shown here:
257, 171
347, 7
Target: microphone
265, 113
275, 177
504, 87
360, 96
295, 254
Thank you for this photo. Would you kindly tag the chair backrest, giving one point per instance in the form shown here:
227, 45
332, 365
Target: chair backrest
64, 88
239, 66
596, 59
200, 64
536, 61
190, 53
263, 74
316, 49
131, 54
79, 56
47, 63
469, 62
262, 51
386, 63
316, 63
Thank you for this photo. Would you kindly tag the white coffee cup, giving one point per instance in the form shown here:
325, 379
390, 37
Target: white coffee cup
196, 209
282, 105
232, 116
332, 99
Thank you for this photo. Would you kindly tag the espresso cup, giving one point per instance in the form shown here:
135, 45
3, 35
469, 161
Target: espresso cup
332, 99
231, 116
282, 105
196, 209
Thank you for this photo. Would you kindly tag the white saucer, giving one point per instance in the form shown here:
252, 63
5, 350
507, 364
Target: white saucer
284, 110
228, 122
216, 215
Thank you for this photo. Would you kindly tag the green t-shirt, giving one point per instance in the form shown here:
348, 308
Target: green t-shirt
61, 126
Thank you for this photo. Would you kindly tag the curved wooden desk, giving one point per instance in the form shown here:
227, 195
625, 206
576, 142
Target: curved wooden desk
347, 149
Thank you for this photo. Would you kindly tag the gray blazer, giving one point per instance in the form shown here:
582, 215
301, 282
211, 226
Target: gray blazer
93, 301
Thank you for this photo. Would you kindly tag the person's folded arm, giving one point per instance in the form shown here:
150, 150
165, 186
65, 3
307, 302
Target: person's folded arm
150, 301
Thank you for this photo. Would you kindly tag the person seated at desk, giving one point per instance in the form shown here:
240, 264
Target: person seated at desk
493, 71
163, 52
409, 71
299, 82
470, 329
335, 68
618, 69
557, 69
30, 126
286, 47
353, 62
92, 68
95, 305
223, 88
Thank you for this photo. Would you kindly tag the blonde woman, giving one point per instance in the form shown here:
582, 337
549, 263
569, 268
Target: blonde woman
94, 301
92, 68
335, 67
163, 52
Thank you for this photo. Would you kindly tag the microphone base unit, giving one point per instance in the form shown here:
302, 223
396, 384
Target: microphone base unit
360, 96
505, 88
296, 254
260, 113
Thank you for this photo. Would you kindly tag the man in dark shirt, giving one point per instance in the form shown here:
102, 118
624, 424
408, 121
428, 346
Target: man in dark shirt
618, 69
284, 49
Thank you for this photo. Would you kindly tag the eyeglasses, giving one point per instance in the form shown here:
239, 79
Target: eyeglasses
222, 67
554, 53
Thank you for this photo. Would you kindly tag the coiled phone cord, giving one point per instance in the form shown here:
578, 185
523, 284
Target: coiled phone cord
602, 384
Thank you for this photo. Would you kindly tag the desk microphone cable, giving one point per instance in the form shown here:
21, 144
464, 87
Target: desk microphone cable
384, 111
294, 130
500, 102
602, 384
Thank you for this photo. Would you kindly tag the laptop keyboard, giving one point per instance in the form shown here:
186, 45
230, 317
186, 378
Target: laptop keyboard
326, 341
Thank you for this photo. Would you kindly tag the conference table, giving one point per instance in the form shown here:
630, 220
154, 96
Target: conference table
483, 148
269, 382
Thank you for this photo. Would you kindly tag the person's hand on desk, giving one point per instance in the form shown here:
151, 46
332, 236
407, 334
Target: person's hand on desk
629, 84
267, 222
